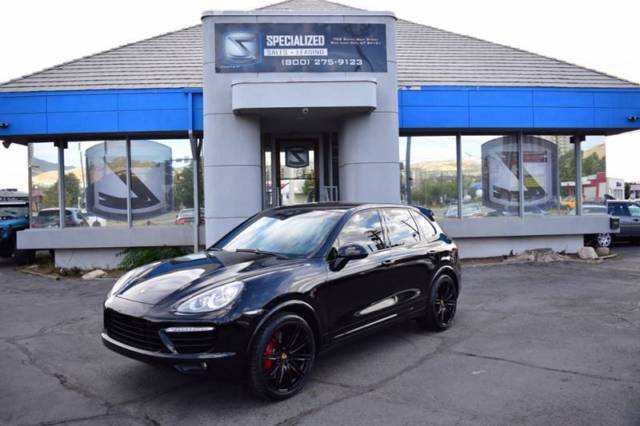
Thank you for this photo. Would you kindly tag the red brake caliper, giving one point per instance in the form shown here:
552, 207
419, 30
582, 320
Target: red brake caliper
269, 351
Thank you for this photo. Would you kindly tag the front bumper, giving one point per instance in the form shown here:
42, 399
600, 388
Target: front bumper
162, 358
224, 363
142, 332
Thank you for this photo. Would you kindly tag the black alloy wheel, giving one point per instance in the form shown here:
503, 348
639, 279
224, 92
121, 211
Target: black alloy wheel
441, 305
281, 357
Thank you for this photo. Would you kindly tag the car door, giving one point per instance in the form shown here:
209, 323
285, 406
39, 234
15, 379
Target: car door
349, 296
634, 216
411, 258
621, 210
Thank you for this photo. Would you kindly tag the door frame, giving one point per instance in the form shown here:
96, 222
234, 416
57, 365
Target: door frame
274, 143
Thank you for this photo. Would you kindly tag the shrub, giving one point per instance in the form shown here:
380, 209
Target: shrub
134, 257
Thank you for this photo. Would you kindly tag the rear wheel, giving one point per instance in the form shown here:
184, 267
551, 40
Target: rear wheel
281, 357
441, 304
603, 240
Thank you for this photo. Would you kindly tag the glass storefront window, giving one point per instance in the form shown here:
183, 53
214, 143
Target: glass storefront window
162, 182
44, 185
490, 176
95, 183
549, 175
595, 185
432, 173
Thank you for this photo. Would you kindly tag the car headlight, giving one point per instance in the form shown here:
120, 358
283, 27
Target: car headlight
213, 299
130, 276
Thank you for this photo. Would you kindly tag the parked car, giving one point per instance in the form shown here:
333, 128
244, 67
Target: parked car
49, 218
185, 216
284, 286
14, 217
602, 239
629, 213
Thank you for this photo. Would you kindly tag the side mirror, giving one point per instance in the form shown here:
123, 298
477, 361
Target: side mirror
346, 253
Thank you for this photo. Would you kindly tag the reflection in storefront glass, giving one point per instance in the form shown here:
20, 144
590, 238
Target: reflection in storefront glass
433, 180
549, 175
490, 179
99, 185
162, 182
44, 185
596, 185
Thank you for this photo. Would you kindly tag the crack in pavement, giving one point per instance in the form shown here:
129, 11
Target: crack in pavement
552, 369
111, 409
364, 390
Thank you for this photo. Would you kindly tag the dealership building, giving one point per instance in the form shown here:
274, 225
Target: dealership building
174, 140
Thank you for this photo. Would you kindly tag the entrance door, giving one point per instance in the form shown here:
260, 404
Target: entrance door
299, 170
296, 167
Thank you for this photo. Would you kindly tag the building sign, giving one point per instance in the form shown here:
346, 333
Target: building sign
296, 157
500, 173
300, 48
151, 180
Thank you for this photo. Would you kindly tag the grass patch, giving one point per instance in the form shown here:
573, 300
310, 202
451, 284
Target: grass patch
134, 257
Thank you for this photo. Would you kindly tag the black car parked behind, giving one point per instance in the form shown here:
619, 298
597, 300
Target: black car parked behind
283, 286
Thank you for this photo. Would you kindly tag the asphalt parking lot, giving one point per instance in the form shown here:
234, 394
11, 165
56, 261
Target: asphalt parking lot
533, 344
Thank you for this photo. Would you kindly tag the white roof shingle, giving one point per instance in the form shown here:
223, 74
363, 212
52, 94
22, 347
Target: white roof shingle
427, 56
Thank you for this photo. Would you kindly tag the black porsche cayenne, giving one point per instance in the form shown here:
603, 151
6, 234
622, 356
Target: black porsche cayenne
282, 287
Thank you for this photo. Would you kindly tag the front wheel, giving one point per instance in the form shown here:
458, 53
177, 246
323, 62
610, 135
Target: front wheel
281, 357
441, 304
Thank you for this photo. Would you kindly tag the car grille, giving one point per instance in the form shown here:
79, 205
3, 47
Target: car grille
143, 334
133, 331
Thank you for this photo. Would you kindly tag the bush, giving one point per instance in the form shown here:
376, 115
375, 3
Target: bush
134, 257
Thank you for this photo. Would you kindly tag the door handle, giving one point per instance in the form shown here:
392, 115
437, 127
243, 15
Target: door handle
387, 262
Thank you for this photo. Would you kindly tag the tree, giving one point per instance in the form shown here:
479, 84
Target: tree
72, 192
591, 165
183, 187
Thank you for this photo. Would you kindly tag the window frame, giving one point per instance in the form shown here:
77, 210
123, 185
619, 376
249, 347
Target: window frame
386, 228
424, 238
348, 219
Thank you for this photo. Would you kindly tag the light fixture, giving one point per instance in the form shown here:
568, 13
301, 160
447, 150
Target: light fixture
188, 329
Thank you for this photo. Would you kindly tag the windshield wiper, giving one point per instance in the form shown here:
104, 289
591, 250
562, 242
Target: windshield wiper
258, 251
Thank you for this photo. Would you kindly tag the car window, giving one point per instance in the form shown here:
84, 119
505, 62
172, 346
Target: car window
427, 231
618, 209
364, 228
634, 209
401, 227
291, 232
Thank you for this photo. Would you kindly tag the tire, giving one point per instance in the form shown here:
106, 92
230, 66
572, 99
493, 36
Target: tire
24, 257
441, 305
281, 357
603, 239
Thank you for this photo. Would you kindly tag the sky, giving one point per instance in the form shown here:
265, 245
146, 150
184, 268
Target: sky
601, 35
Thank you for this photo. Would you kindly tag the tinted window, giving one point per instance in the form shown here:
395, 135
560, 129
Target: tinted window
426, 229
618, 209
364, 228
401, 227
293, 232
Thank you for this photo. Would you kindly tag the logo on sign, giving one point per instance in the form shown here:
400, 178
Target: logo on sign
241, 47
297, 157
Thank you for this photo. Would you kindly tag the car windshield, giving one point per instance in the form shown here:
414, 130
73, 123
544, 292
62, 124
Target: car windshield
13, 212
290, 232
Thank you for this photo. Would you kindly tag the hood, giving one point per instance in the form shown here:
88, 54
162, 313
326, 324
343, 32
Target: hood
179, 277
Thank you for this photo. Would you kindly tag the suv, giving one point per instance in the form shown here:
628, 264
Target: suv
629, 213
14, 217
